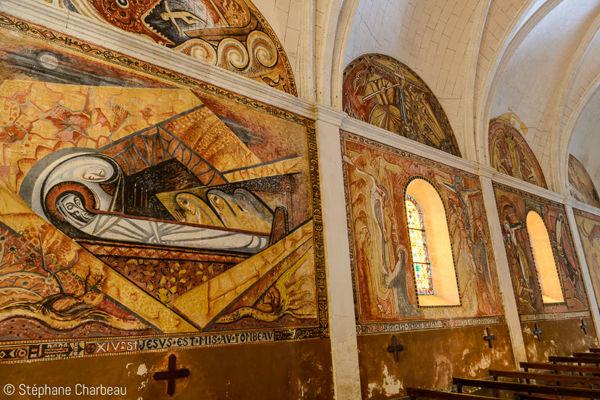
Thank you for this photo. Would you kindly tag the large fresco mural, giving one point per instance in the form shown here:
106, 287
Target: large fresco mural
136, 201
588, 226
581, 185
376, 177
384, 92
513, 206
231, 34
511, 155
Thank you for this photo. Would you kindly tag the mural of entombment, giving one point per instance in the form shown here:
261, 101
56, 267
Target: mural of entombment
133, 205
580, 183
231, 34
511, 155
377, 179
513, 207
384, 92
588, 226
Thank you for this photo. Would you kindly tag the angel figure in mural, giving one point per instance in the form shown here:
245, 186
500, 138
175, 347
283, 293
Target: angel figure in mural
198, 21
385, 114
83, 194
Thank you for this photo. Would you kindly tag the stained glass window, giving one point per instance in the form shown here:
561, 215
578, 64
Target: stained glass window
418, 245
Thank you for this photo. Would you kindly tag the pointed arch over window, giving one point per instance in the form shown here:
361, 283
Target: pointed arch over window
433, 263
543, 259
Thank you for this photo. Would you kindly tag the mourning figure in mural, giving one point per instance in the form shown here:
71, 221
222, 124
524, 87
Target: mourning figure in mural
396, 279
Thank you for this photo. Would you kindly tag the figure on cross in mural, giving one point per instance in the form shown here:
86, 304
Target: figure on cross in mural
515, 237
393, 265
464, 194
563, 259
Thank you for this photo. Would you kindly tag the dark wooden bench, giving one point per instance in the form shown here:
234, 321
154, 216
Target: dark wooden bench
527, 388
558, 379
590, 355
594, 350
582, 369
574, 360
415, 393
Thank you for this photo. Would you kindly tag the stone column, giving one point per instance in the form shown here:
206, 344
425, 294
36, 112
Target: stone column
342, 325
504, 280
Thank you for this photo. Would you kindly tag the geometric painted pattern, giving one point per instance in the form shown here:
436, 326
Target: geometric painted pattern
418, 245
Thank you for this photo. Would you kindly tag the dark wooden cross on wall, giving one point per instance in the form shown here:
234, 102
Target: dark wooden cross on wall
538, 333
584, 327
395, 348
171, 374
489, 337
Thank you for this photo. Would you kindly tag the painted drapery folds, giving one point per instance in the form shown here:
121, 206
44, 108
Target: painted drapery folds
143, 203
511, 155
581, 185
385, 293
513, 207
231, 34
384, 92
588, 226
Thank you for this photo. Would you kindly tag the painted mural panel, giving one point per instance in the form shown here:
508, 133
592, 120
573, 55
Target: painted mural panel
581, 185
588, 226
231, 34
386, 93
376, 178
511, 155
137, 201
513, 206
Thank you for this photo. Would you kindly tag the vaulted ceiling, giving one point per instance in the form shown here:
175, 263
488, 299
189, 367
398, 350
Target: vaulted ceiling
538, 59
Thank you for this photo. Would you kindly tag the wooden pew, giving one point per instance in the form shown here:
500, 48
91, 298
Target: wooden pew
582, 369
415, 393
558, 379
574, 360
594, 350
527, 388
590, 355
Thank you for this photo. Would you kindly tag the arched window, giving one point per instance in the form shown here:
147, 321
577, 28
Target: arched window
431, 252
543, 259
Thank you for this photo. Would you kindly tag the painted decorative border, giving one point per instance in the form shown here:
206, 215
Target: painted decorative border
15, 351
43, 350
409, 326
554, 316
